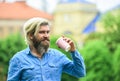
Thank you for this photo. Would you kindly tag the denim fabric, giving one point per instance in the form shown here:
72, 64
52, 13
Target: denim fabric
26, 67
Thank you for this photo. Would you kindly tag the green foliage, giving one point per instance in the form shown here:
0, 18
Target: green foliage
98, 61
102, 53
8, 48
111, 22
116, 64
112, 26
66, 77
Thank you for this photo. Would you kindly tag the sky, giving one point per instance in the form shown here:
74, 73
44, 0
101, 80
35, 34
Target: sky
102, 5
39, 4
50, 7
105, 5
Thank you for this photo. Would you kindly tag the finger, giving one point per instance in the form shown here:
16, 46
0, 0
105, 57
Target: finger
70, 41
63, 36
67, 39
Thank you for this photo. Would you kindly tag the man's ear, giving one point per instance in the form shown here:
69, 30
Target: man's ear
30, 36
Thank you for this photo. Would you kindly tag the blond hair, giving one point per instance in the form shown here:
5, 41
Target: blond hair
31, 26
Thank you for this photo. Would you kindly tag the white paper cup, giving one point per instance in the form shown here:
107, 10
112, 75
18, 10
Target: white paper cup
63, 44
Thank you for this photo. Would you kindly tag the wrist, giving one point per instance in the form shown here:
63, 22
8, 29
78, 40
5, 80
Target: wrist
72, 50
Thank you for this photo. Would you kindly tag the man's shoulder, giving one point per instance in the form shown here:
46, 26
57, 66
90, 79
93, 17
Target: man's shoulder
20, 53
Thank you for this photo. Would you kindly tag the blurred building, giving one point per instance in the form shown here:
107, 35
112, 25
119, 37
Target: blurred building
13, 16
71, 17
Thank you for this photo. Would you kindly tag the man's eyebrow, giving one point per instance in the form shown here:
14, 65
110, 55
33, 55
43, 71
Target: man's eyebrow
43, 31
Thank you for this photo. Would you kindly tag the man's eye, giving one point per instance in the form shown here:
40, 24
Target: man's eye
41, 32
48, 31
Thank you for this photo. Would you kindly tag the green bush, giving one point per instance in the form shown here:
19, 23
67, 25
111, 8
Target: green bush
107, 62
116, 64
98, 61
8, 48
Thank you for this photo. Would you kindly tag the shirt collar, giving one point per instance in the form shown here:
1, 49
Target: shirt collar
28, 50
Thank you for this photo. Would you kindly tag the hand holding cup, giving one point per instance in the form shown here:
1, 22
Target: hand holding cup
65, 44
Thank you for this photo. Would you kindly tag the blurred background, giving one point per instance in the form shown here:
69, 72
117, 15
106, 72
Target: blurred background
94, 25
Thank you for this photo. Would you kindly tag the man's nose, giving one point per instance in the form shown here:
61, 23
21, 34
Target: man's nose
46, 34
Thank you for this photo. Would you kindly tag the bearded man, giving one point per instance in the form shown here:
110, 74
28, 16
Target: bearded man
39, 62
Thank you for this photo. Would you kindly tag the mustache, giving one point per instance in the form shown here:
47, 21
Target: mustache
45, 39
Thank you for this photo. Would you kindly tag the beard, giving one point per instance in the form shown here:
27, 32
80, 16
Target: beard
41, 45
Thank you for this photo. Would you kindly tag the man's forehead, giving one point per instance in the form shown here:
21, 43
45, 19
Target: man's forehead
46, 27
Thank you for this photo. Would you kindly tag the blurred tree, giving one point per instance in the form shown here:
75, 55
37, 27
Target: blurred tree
116, 63
8, 48
98, 61
110, 37
111, 23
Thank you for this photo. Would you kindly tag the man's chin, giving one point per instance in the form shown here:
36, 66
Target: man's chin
46, 42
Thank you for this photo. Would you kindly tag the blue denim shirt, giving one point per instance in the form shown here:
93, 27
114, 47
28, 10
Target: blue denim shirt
26, 67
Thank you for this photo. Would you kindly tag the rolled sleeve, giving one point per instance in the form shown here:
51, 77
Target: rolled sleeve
78, 63
76, 67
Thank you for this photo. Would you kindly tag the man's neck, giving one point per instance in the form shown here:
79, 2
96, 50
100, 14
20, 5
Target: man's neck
35, 53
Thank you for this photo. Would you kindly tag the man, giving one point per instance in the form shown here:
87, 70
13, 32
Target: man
38, 62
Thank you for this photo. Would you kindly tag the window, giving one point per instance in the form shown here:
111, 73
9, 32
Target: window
10, 29
67, 18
